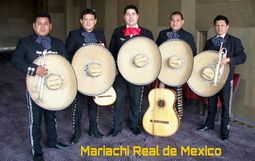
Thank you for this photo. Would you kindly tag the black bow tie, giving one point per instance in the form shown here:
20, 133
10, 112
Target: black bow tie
45, 41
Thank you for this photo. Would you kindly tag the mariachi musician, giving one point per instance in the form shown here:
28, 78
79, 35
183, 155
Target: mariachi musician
122, 87
175, 31
235, 56
76, 39
26, 52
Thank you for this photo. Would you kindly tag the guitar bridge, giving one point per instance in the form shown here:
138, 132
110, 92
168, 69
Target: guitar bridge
160, 121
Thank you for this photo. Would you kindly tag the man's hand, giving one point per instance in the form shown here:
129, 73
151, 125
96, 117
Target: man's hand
41, 71
224, 61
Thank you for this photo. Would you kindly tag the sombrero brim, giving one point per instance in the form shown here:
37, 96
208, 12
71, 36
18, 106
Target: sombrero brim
57, 99
94, 53
200, 85
175, 76
125, 61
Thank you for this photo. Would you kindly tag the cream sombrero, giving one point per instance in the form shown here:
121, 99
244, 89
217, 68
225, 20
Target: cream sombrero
139, 60
95, 69
58, 88
177, 62
202, 77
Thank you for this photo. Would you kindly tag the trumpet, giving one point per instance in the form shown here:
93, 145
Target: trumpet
219, 69
39, 81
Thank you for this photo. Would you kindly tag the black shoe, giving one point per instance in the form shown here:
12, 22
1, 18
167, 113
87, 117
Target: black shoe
95, 133
114, 132
58, 146
136, 130
224, 137
38, 157
224, 134
204, 128
75, 139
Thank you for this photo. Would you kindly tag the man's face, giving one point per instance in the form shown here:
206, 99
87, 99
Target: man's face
42, 26
221, 27
131, 17
88, 22
176, 22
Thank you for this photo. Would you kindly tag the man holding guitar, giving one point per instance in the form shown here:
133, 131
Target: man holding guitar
76, 39
119, 37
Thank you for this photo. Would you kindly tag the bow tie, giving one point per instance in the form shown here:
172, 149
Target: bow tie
89, 37
131, 31
217, 41
45, 41
172, 35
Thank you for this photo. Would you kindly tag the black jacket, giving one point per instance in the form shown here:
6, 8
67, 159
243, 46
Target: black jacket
118, 39
235, 51
184, 35
75, 40
26, 52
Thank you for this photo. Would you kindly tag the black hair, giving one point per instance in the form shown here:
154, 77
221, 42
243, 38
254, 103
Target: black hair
42, 14
221, 17
176, 13
88, 11
130, 7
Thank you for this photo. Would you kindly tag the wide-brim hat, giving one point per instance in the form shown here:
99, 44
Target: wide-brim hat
139, 60
58, 88
177, 62
95, 69
201, 81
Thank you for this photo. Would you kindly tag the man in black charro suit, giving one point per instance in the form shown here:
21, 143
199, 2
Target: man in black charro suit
26, 52
122, 87
235, 56
76, 39
176, 31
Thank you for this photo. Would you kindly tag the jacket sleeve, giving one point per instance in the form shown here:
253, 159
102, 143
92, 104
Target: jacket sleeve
239, 56
159, 40
70, 43
113, 45
19, 59
192, 44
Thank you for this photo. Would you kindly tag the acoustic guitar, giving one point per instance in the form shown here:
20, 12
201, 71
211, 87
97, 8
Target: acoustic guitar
161, 118
106, 98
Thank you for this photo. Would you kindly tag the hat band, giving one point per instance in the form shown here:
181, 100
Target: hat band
93, 69
53, 81
175, 62
208, 73
140, 60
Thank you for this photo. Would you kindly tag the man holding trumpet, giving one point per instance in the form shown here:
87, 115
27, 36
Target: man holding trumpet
235, 55
28, 49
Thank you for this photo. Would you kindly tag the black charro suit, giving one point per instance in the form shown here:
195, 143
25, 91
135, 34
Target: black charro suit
235, 52
122, 87
74, 41
188, 38
23, 57
184, 35
25, 53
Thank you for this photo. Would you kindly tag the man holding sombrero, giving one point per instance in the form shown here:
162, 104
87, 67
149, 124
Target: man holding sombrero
176, 32
235, 55
122, 86
28, 50
76, 39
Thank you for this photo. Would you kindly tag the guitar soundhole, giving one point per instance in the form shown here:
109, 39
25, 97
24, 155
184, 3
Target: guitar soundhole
161, 103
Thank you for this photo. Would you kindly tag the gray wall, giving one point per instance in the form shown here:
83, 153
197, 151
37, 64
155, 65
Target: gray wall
15, 20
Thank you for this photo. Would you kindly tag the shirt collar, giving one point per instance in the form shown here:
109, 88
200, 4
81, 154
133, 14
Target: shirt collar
223, 36
136, 26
